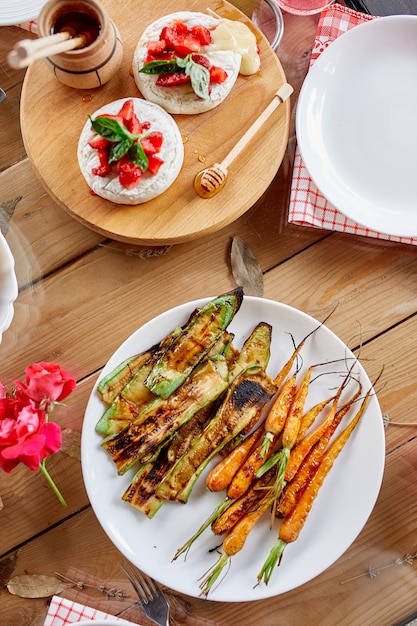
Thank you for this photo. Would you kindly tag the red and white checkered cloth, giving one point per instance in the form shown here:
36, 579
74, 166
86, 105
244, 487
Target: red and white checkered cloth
308, 207
62, 611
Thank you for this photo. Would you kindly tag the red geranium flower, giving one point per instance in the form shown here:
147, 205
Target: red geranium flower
26, 435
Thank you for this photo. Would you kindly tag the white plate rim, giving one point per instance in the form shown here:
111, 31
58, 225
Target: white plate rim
124, 526
14, 12
327, 178
8, 286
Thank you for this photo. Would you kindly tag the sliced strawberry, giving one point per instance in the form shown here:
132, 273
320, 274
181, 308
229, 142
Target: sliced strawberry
201, 59
168, 55
127, 110
154, 163
156, 47
112, 117
172, 79
180, 27
129, 173
202, 34
146, 126
104, 166
134, 125
181, 42
152, 143
217, 74
99, 143
185, 45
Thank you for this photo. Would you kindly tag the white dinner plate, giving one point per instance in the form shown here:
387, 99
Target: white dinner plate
357, 126
8, 286
19, 11
342, 507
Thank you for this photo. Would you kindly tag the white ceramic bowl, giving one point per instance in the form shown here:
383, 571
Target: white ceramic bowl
8, 286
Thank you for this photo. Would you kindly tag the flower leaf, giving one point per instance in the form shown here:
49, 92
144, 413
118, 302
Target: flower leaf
35, 586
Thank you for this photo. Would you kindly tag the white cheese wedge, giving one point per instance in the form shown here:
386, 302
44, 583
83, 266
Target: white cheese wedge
148, 187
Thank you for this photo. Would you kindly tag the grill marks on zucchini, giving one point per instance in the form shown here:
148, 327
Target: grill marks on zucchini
244, 402
162, 417
193, 343
176, 405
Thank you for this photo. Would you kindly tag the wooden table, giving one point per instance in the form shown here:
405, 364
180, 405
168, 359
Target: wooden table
81, 295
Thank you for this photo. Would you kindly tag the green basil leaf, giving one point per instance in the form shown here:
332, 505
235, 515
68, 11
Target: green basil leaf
119, 149
160, 67
200, 79
109, 128
182, 63
136, 155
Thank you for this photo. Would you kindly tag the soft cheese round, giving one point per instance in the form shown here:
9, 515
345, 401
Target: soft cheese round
148, 187
182, 99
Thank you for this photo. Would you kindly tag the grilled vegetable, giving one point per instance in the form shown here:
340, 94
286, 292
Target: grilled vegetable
128, 404
293, 524
277, 415
193, 343
222, 474
255, 351
135, 395
242, 505
110, 386
294, 488
246, 397
163, 417
257, 503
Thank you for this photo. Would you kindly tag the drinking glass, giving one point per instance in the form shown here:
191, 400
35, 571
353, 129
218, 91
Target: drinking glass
303, 7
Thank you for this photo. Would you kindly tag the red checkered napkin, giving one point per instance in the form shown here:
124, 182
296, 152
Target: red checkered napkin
308, 207
62, 611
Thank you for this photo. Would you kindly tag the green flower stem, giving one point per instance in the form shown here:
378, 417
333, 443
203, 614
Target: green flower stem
223, 504
55, 489
271, 561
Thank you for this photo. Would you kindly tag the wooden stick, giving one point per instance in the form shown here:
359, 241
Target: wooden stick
281, 95
28, 50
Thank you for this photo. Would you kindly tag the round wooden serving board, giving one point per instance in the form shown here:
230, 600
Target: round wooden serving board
53, 115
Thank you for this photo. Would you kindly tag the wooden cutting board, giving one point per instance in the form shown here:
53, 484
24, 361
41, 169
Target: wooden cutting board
53, 115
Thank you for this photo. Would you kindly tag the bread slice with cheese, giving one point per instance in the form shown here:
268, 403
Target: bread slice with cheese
149, 186
182, 99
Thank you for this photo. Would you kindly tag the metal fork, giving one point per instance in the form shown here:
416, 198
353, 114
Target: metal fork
153, 601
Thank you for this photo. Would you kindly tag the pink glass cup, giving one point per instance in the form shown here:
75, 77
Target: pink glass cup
303, 7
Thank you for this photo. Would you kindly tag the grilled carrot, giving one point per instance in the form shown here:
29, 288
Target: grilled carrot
302, 447
257, 458
236, 538
275, 420
240, 507
222, 474
310, 416
293, 524
293, 421
294, 488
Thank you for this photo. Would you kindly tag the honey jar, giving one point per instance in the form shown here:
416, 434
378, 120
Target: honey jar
99, 58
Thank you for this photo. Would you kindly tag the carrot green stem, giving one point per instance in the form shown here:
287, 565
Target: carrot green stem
268, 438
223, 504
214, 573
52, 484
272, 560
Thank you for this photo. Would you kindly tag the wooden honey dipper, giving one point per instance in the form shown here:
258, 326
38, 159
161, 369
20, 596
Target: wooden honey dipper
209, 181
